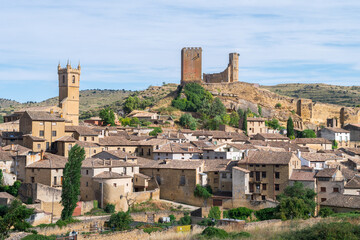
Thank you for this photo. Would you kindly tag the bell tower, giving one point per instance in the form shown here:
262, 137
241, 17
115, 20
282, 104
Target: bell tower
69, 83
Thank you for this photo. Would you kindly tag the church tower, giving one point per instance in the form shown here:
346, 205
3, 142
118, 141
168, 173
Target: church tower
69, 82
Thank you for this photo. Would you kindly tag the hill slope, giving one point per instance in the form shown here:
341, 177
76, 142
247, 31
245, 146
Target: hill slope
340, 95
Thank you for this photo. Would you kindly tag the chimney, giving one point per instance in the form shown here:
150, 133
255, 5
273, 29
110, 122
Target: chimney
298, 153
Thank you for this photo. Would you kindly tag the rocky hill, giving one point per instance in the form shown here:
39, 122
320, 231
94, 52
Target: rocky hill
340, 95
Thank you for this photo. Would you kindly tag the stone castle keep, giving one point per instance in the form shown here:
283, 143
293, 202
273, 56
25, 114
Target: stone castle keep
191, 68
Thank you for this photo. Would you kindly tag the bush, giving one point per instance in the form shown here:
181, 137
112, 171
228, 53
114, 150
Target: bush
239, 213
110, 208
266, 214
278, 105
207, 222
172, 218
212, 232
215, 213
325, 212
156, 131
334, 230
120, 221
201, 192
39, 237
185, 220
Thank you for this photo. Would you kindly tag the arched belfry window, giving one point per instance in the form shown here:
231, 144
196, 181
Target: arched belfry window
73, 79
63, 78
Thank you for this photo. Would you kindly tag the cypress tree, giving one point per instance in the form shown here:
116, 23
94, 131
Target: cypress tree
71, 181
290, 128
244, 126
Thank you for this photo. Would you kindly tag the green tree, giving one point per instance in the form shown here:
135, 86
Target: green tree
186, 120
185, 220
126, 121
134, 121
226, 119
107, 116
15, 217
130, 104
120, 221
234, 119
215, 213
244, 123
109, 208
156, 131
217, 108
202, 192
71, 181
290, 128
297, 202
274, 124
259, 110
334, 144
215, 123
307, 133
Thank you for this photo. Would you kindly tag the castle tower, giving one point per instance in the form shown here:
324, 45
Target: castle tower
191, 60
234, 67
69, 82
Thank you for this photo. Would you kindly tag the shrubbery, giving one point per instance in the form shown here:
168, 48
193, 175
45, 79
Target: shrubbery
185, 220
120, 221
217, 233
238, 213
215, 213
325, 212
110, 208
267, 214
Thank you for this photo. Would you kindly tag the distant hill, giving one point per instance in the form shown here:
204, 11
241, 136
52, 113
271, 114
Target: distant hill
340, 95
89, 99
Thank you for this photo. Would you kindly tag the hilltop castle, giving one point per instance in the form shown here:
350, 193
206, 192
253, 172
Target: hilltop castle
191, 68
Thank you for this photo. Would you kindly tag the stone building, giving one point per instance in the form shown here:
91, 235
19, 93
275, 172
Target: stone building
342, 136
304, 108
69, 83
354, 130
330, 183
177, 151
269, 172
229, 75
314, 143
270, 137
44, 125
191, 65
254, 125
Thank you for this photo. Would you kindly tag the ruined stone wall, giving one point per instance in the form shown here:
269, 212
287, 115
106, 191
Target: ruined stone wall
349, 115
229, 75
191, 65
304, 109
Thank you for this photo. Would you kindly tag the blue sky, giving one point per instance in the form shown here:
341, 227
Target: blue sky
134, 44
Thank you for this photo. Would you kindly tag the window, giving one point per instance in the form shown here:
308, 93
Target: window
39, 146
73, 80
251, 174
63, 78
323, 189
87, 184
277, 175
223, 175
53, 123
69, 147
257, 165
264, 186
92, 138
53, 133
251, 165
85, 138
263, 174
182, 180
41, 123
263, 198
277, 187
55, 182
94, 151
263, 165
277, 165
87, 172
323, 199
116, 184
335, 189
32, 179
41, 133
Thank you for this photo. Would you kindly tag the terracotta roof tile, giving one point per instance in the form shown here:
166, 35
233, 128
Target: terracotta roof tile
354, 183
110, 175
268, 157
343, 201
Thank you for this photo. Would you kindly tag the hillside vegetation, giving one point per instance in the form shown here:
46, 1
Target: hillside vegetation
341, 95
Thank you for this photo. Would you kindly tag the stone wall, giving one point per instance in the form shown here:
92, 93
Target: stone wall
191, 65
230, 74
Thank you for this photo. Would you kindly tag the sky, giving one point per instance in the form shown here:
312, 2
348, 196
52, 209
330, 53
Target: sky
134, 44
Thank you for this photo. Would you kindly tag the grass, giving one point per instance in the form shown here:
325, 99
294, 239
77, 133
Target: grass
153, 206
341, 95
96, 212
60, 223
